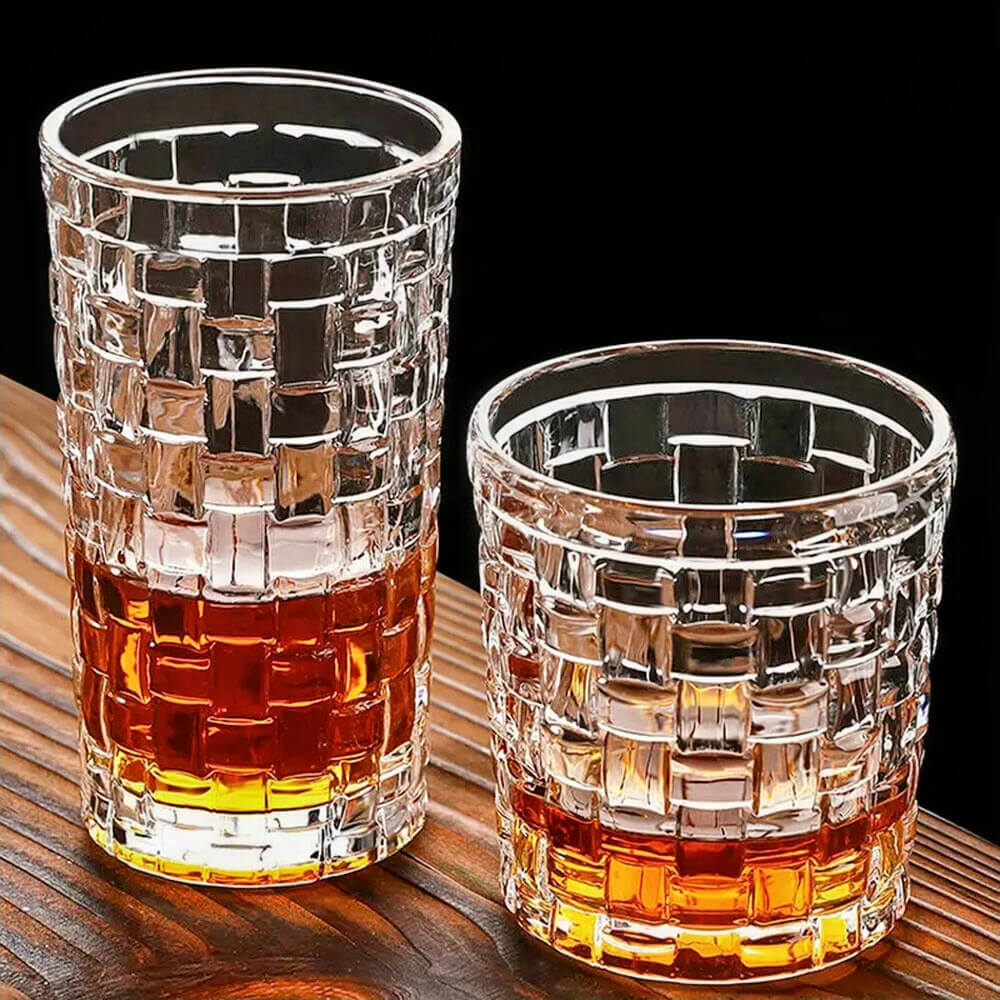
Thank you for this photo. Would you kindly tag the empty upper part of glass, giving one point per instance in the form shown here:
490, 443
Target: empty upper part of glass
712, 424
247, 134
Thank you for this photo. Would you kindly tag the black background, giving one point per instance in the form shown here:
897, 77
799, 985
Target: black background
823, 184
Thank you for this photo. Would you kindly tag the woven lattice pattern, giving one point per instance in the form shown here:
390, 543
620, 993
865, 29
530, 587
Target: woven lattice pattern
759, 448
267, 422
666, 681
251, 411
292, 732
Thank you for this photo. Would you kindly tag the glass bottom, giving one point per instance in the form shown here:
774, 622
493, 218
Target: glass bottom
247, 849
699, 956
782, 913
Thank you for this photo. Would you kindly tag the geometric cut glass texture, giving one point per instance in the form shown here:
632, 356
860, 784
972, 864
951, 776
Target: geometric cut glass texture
250, 282
709, 579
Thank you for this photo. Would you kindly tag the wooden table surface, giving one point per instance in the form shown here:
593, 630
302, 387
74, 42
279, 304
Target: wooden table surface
427, 923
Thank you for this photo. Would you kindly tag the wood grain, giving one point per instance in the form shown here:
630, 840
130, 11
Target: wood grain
428, 923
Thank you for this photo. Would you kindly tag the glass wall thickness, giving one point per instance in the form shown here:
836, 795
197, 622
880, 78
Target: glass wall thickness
709, 575
250, 280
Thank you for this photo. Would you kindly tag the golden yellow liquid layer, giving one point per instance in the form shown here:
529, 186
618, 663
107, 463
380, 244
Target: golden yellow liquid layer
664, 908
247, 708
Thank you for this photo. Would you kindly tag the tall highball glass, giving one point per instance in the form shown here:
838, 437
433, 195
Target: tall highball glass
709, 577
250, 281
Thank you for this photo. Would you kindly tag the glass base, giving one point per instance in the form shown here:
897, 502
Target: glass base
752, 953
250, 849
775, 918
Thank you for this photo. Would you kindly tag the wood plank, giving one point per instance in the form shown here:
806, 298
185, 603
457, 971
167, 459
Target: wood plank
428, 923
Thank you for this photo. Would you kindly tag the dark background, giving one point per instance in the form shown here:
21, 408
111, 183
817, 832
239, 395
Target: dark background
822, 184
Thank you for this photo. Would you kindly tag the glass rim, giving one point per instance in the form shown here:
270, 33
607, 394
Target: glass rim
481, 437
53, 148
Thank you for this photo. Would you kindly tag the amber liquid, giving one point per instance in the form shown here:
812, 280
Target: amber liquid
250, 707
710, 886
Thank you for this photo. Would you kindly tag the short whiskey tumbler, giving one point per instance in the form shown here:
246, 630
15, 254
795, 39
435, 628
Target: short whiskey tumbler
709, 577
250, 281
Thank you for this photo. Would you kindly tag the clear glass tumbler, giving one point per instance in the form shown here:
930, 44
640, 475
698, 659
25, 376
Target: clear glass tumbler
250, 281
709, 576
